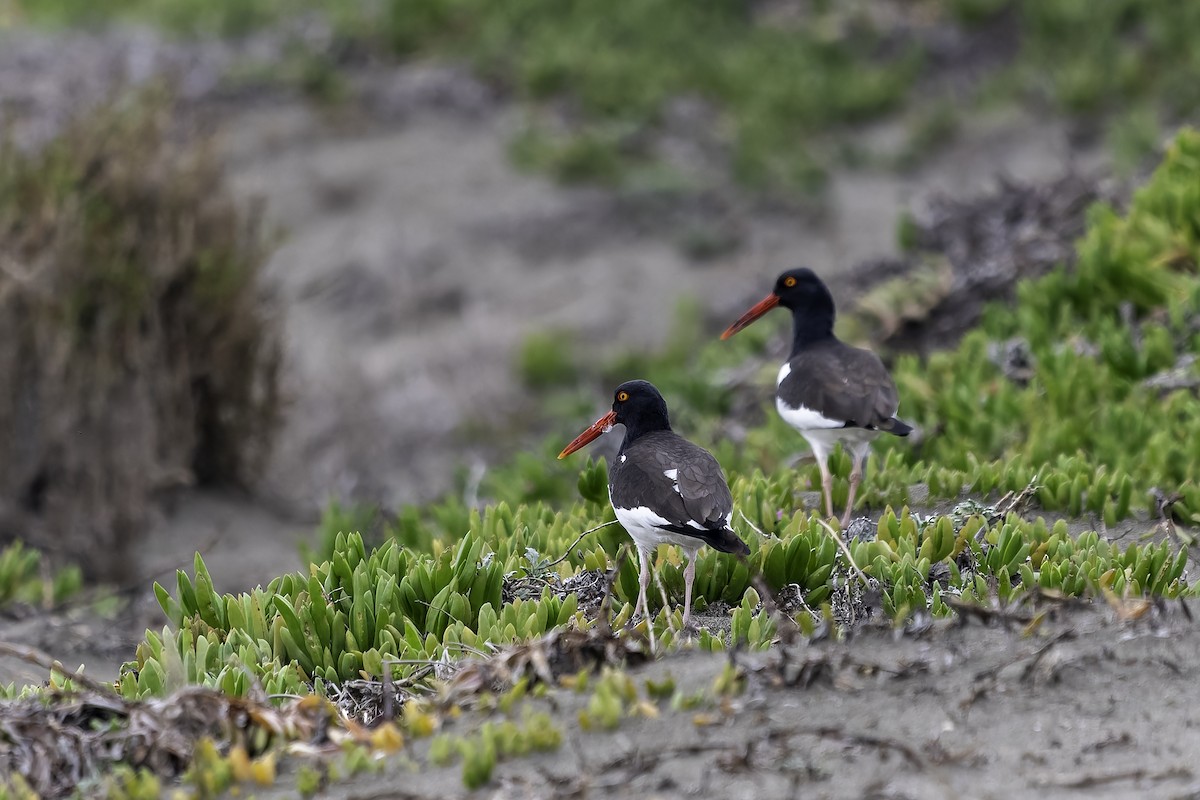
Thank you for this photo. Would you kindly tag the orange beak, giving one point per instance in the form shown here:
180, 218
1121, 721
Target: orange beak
759, 308
594, 431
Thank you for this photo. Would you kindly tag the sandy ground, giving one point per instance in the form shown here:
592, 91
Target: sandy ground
417, 259
1082, 704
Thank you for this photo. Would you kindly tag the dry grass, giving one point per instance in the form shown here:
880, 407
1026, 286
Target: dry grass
133, 337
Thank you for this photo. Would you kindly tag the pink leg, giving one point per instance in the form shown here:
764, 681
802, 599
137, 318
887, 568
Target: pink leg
856, 473
855, 479
689, 576
643, 582
826, 485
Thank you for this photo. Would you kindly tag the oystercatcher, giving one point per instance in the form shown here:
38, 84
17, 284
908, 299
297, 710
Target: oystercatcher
829, 391
663, 488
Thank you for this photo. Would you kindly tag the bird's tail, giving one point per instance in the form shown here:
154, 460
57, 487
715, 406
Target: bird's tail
895, 426
727, 541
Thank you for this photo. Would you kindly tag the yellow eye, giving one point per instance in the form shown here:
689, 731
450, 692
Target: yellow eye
622, 397
789, 282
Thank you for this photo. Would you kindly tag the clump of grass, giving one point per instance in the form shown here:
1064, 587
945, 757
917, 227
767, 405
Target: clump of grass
132, 329
1098, 59
24, 579
619, 65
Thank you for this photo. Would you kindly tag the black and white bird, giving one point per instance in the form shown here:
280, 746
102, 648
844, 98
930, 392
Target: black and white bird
828, 390
664, 489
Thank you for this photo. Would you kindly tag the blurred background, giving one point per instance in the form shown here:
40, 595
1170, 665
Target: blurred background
258, 257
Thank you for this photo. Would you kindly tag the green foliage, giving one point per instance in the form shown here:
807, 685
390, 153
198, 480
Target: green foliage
210, 773
1098, 57
337, 519
1087, 416
614, 697
357, 614
15, 787
22, 578
124, 782
775, 81
495, 741
192, 17
1084, 436
622, 64
604, 155
545, 360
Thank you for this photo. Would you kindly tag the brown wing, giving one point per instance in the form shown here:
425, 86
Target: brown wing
842, 383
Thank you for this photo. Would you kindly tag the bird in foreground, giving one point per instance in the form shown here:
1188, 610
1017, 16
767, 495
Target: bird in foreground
663, 488
828, 390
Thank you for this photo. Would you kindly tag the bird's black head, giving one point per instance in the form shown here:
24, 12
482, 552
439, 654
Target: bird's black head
637, 405
806, 296
801, 290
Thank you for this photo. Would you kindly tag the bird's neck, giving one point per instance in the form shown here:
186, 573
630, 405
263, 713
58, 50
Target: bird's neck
638, 429
810, 328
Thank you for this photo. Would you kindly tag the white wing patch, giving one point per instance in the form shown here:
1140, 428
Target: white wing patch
784, 371
673, 475
623, 457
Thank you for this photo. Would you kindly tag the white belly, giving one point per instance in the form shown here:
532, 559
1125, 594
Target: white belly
823, 440
805, 419
821, 432
640, 523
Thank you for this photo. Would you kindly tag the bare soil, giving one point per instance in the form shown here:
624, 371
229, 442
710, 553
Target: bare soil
1088, 702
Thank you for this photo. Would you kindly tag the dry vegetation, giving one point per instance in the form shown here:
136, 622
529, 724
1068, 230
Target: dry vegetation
132, 334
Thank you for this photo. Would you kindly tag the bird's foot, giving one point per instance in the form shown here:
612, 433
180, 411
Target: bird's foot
636, 619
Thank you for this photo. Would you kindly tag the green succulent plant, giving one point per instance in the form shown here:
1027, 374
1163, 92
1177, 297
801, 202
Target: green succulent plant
1085, 435
22, 578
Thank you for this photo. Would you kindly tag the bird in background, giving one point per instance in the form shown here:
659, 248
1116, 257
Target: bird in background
663, 488
828, 390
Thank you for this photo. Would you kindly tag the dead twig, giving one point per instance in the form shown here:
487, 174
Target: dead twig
846, 551
1041, 652
985, 679
753, 527
853, 738
987, 615
1019, 500
45, 661
567, 552
1090, 780
1036, 656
